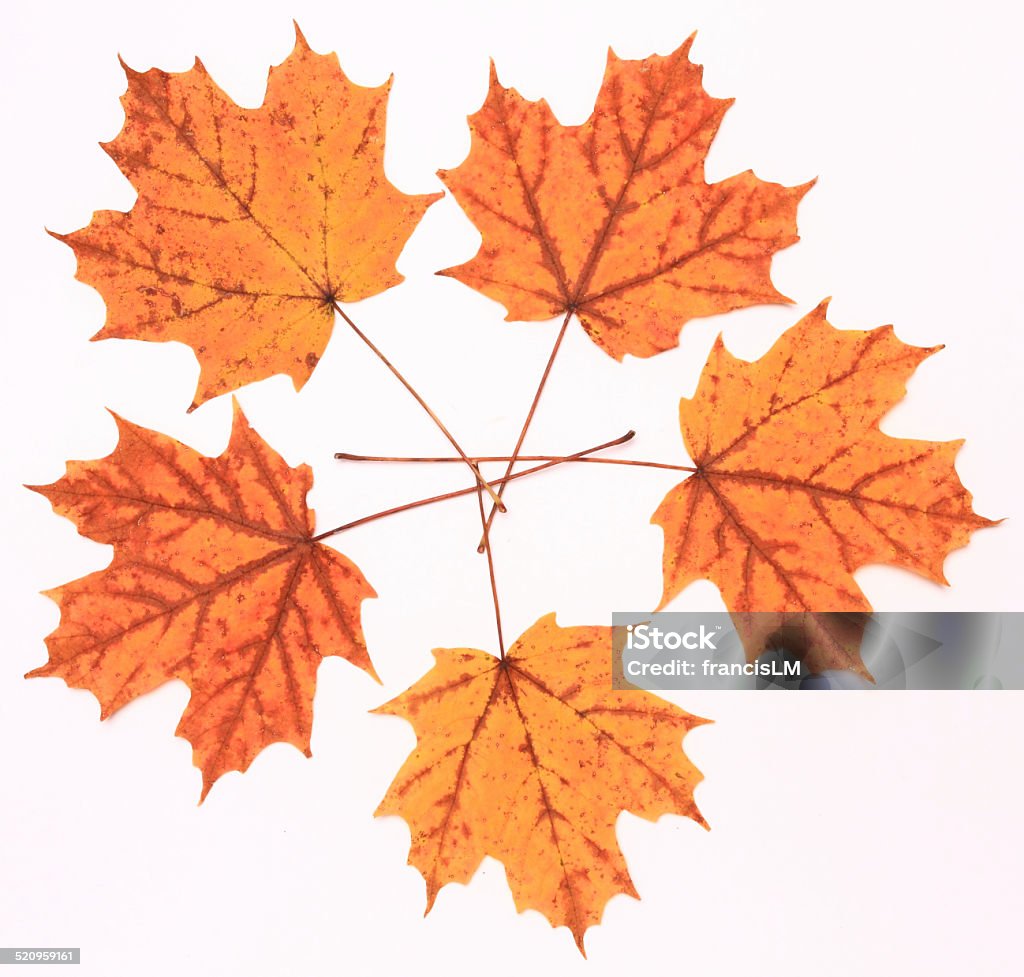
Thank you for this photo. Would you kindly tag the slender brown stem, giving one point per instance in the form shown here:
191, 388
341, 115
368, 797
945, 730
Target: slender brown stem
480, 459
490, 570
481, 481
526, 427
473, 488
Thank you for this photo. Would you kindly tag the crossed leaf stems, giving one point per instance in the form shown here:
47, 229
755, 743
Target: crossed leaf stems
473, 462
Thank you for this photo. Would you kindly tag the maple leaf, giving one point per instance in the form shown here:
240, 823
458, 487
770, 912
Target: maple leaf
250, 223
530, 759
613, 219
216, 579
796, 487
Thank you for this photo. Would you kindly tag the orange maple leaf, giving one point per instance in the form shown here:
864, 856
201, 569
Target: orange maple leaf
216, 580
250, 223
796, 487
530, 759
613, 219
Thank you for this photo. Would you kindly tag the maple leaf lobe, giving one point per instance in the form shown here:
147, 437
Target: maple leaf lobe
612, 220
530, 760
216, 580
250, 223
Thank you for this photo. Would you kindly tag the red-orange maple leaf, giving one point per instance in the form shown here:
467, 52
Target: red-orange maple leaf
613, 219
250, 223
796, 487
216, 580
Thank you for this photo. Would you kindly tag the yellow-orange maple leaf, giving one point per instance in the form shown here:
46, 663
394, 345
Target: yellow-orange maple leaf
797, 487
530, 760
250, 223
613, 219
216, 580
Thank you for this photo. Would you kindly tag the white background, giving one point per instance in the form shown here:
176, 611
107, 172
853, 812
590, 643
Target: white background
851, 833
